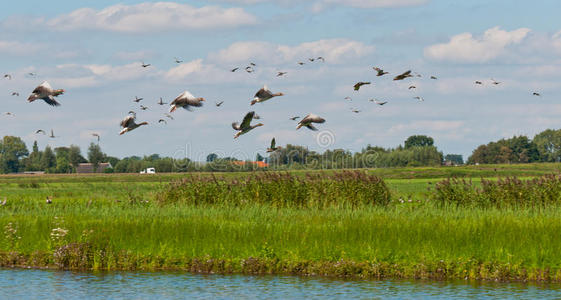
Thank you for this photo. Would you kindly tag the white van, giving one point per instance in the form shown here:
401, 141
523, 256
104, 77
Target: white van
148, 171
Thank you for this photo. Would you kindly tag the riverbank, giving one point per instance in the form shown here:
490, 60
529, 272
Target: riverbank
112, 226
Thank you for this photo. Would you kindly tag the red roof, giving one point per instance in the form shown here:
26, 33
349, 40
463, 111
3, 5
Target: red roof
260, 164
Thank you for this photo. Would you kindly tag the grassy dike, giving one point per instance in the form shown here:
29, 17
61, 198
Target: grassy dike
147, 226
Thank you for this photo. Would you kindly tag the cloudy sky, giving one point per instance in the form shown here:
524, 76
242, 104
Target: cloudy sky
94, 49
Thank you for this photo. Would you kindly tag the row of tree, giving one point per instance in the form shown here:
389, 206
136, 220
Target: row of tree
544, 147
418, 150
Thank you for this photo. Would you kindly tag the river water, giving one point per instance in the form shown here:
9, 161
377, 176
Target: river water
47, 284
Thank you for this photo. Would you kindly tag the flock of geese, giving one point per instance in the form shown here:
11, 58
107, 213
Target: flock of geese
188, 101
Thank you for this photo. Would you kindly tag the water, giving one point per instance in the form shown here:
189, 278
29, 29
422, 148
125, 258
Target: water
43, 284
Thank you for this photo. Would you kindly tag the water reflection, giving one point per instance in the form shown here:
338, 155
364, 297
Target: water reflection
24, 284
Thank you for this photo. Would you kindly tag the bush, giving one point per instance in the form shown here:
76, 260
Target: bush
280, 190
510, 192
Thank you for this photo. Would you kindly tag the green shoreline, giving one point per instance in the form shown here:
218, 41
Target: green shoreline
439, 270
361, 227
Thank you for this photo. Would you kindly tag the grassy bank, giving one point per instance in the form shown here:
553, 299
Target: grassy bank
122, 225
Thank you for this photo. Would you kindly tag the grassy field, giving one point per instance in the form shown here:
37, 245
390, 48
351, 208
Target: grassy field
116, 222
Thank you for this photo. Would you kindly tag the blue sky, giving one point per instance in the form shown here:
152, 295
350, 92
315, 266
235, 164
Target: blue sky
93, 50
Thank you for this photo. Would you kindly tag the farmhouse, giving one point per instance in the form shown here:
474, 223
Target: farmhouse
86, 168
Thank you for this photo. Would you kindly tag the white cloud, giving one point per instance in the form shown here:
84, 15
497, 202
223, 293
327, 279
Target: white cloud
333, 50
18, 48
437, 125
465, 48
185, 69
134, 55
320, 4
376, 3
151, 17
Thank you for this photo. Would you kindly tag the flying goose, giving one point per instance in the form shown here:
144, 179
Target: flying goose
8, 76
186, 100
273, 146
32, 74
218, 103
263, 95
294, 118
40, 131
321, 58
162, 121
46, 93
478, 82
301, 63
348, 98
378, 102
252, 64
359, 84
311, 59
142, 107
380, 71
245, 126
234, 69
419, 98
136, 99
97, 136
15, 94
249, 69
403, 75
279, 74
433, 77
177, 60
10, 114
161, 102
356, 111
495, 82
536, 94
52, 136
129, 124
308, 120
412, 87
145, 65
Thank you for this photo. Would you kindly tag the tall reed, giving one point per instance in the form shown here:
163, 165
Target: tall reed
314, 190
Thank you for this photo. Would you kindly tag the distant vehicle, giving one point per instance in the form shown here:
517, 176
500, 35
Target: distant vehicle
148, 171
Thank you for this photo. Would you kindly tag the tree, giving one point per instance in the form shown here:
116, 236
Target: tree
418, 141
11, 150
211, 157
48, 159
75, 156
456, 159
95, 156
33, 162
548, 144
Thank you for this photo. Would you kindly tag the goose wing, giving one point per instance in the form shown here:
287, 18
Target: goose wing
44, 87
127, 121
264, 92
273, 143
181, 98
246, 122
50, 100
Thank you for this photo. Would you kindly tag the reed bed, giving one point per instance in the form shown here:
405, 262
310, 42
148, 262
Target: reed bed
509, 192
340, 189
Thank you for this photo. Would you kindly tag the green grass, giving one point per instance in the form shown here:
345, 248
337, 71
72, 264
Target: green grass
122, 226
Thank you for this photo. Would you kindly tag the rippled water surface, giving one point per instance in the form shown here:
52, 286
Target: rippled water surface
43, 284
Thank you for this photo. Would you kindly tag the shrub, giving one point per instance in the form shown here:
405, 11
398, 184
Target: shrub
509, 192
280, 190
